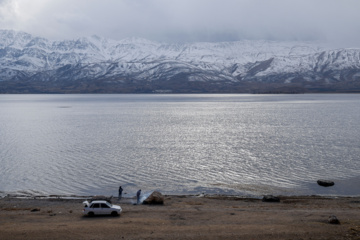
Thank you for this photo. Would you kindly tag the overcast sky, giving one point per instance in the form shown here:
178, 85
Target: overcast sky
333, 21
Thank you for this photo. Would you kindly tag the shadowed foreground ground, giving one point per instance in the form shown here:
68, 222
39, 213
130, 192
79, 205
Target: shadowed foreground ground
184, 217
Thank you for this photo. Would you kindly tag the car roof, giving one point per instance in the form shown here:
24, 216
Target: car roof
99, 201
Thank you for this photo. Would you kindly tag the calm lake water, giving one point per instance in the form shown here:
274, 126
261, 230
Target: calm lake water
246, 145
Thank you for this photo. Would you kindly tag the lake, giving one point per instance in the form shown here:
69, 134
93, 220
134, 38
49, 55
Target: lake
237, 144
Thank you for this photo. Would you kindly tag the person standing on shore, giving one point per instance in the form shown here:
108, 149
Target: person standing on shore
138, 196
120, 192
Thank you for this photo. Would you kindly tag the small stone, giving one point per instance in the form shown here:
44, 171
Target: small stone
270, 198
333, 220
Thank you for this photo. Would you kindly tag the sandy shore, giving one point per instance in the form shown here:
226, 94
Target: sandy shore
184, 217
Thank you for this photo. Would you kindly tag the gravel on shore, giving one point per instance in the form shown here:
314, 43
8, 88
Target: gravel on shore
184, 217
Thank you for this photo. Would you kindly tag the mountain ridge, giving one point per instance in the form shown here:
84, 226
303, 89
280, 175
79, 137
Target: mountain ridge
94, 64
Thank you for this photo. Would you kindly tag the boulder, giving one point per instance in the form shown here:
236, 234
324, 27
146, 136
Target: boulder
154, 198
270, 198
325, 183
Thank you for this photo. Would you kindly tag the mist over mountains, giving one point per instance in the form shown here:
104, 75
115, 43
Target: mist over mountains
29, 64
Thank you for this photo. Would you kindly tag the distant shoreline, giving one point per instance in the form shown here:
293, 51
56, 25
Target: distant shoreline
215, 196
177, 93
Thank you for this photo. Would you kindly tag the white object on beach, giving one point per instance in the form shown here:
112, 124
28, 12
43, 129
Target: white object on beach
101, 207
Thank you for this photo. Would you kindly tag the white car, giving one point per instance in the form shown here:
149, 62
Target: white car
101, 207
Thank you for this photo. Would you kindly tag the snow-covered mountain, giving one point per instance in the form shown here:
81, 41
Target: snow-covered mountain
96, 64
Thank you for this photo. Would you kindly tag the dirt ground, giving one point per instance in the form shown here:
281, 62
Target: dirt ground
184, 217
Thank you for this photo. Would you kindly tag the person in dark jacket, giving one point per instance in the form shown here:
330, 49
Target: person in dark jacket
120, 192
138, 196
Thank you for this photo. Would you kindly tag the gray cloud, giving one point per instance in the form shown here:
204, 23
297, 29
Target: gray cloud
336, 22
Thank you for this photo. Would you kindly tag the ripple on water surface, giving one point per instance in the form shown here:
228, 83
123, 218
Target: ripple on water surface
183, 144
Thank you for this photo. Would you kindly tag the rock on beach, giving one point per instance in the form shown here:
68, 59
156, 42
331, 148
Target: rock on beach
154, 198
325, 183
270, 198
333, 220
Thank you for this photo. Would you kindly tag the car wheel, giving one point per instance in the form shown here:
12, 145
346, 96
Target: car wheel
114, 213
91, 214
